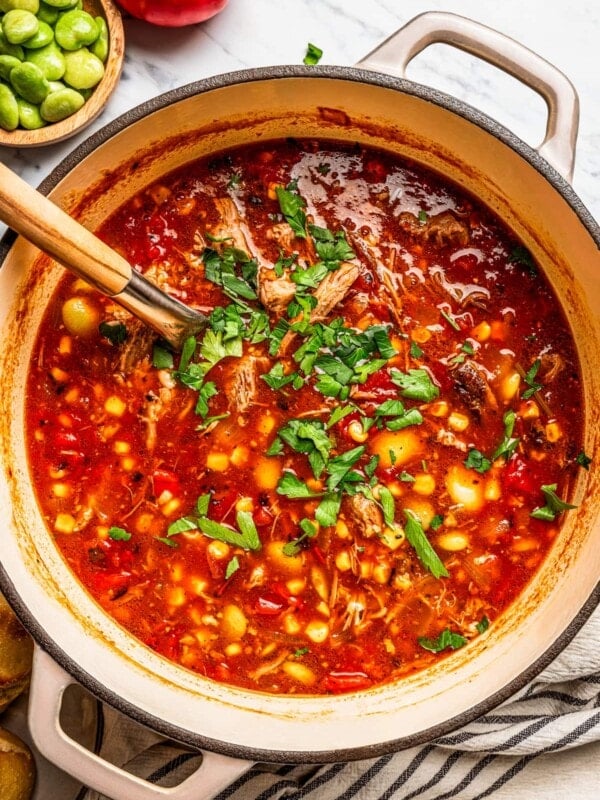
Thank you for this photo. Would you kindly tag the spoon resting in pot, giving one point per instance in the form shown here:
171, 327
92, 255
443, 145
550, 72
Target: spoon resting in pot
44, 224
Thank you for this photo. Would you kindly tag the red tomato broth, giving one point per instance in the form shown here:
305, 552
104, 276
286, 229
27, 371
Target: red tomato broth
118, 452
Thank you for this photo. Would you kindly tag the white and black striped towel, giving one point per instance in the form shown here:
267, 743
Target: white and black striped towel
539, 744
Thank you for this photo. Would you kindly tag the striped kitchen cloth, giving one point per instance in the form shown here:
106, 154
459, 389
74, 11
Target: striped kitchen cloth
510, 752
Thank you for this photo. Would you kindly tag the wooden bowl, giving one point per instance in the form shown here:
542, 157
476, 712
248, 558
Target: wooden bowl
57, 131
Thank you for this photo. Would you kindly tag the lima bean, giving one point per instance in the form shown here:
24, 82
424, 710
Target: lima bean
83, 69
48, 14
61, 104
76, 29
6, 48
44, 36
29, 82
19, 25
29, 115
6, 64
61, 4
50, 60
28, 5
9, 109
100, 47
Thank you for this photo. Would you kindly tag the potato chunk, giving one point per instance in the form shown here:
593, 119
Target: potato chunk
395, 448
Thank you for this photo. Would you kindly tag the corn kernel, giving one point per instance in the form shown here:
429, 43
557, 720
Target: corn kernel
524, 544
266, 423
65, 345
267, 472
291, 625
102, 532
144, 523
234, 622
296, 586
240, 456
343, 561
59, 375
233, 649
317, 631
493, 489
366, 569
217, 549
529, 409
421, 335
438, 409
481, 332
120, 447
245, 504
61, 490
72, 396
171, 506
176, 572
392, 537
341, 529
457, 421
217, 462
382, 572
115, 406
553, 432
402, 581
175, 596
323, 608
64, 523
128, 463
197, 585
424, 483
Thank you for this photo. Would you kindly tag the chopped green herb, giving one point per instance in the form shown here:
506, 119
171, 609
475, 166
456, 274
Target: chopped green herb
406, 477
388, 505
415, 384
232, 567
309, 530
328, 509
313, 55
275, 448
483, 625
450, 320
529, 379
446, 640
292, 207
246, 538
583, 460
276, 377
119, 534
115, 332
554, 505
436, 522
234, 180
508, 444
421, 545
301, 651
162, 358
415, 351
324, 168
422, 216
477, 461
521, 255
291, 486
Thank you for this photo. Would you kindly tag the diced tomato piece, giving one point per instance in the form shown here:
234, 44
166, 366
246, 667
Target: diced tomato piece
518, 476
262, 517
380, 383
164, 480
340, 682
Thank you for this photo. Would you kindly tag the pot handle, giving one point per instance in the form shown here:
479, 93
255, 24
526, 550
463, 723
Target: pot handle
48, 683
394, 55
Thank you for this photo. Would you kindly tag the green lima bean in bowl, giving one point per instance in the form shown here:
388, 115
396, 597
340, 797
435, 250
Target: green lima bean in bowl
60, 60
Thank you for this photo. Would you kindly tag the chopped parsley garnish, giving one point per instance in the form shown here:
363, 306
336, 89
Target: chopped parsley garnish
450, 320
583, 460
223, 268
115, 332
421, 545
232, 567
415, 351
521, 255
529, 379
447, 640
246, 536
309, 530
508, 444
313, 55
477, 461
292, 207
162, 357
415, 384
119, 534
554, 505
482, 625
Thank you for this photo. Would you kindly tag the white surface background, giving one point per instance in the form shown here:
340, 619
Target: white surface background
252, 33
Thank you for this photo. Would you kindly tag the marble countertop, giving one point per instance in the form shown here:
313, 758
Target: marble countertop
253, 33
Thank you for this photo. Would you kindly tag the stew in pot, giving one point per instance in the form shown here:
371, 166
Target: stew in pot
361, 461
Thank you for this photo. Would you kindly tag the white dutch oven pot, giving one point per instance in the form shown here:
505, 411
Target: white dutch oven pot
528, 188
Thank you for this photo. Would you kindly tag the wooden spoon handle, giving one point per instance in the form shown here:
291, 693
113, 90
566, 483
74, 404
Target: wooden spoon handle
47, 226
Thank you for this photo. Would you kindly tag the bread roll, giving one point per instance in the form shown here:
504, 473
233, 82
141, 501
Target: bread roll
17, 768
16, 649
